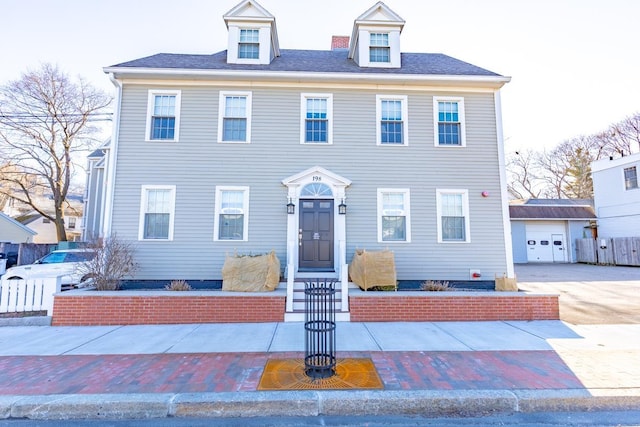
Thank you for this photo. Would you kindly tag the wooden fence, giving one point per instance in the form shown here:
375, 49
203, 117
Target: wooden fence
17, 296
609, 251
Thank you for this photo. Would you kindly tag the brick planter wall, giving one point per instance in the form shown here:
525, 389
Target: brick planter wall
451, 306
143, 308
83, 308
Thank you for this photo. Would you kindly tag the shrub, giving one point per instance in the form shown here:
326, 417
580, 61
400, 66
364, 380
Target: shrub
112, 263
435, 286
178, 285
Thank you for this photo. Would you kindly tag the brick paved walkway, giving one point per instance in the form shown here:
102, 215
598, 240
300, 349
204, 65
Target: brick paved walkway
232, 372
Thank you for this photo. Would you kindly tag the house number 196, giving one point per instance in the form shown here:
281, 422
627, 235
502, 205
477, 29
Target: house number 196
317, 178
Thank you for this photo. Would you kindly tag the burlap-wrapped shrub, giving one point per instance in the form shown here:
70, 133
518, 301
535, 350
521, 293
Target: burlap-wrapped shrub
373, 269
506, 284
249, 273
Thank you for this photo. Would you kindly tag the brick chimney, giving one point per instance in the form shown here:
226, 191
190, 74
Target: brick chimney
339, 42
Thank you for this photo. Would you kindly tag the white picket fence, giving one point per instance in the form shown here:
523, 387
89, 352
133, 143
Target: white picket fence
18, 296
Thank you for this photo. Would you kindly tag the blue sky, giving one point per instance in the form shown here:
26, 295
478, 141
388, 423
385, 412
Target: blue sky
574, 64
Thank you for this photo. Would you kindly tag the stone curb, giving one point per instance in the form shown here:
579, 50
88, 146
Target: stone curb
26, 321
429, 403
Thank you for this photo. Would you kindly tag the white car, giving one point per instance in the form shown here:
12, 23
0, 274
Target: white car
64, 262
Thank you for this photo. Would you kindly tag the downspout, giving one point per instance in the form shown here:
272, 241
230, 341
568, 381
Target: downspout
504, 194
110, 173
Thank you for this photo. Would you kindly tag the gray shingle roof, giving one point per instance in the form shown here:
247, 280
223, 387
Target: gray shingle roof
551, 212
560, 202
321, 61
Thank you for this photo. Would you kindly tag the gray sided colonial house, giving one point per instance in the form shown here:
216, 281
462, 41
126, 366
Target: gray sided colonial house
312, 154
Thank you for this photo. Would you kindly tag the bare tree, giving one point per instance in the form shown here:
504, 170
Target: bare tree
625, 135
553, 167
523, 180
45, 118
565, 171
113, 262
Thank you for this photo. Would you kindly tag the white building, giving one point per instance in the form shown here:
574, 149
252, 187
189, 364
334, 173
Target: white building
617, 196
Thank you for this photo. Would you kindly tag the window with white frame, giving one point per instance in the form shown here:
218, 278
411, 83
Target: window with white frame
392, 120
317, 116
379, 48
630, 178
157, 206
249, 44
163, 115
453, 215
232, 213
449, 122
394, 221
234, 123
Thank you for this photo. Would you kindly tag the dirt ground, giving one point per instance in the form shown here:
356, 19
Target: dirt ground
589, 294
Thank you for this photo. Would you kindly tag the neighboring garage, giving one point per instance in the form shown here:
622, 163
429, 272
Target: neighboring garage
544, 230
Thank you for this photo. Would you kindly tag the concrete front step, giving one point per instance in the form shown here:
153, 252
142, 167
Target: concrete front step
297, 315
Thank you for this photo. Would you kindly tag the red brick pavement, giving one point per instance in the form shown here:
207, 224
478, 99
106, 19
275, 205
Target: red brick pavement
232, 372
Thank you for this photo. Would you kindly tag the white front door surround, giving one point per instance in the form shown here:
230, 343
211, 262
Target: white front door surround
316, 183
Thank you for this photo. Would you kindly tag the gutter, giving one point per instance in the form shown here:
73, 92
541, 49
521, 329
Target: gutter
441, 79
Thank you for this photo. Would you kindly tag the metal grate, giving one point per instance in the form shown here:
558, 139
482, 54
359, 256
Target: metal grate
320, 328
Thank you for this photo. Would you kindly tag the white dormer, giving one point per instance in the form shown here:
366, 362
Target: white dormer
375, 40
253, 38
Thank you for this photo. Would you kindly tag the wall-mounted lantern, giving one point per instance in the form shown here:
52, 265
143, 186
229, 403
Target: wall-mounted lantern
291, 208
342, 208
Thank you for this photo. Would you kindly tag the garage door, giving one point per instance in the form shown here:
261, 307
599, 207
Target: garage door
546, 242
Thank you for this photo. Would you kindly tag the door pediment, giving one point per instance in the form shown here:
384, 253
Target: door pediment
317, 174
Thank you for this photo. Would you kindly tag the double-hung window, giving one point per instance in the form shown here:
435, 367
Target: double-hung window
232, 213
449, 122
249, 44
234, 123
392, 120
163, 115
630, 178
453, 215
156, 212
379, 48
317, 117
394, 223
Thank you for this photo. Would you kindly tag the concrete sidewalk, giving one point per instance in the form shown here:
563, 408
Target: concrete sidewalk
441, 368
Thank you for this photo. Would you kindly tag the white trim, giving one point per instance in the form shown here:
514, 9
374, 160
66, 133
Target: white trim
110, 172
465, 213
144, 191
407, 213
295, 184
221, 110
150, 105
504, 193
461, 117
405, 119
245, 212
303, 116
298, 76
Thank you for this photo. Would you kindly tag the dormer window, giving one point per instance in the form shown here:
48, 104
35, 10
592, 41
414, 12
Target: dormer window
249, 45
379, 49
375, 39
253, 37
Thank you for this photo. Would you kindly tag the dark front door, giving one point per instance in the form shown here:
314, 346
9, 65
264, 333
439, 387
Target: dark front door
316, 235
